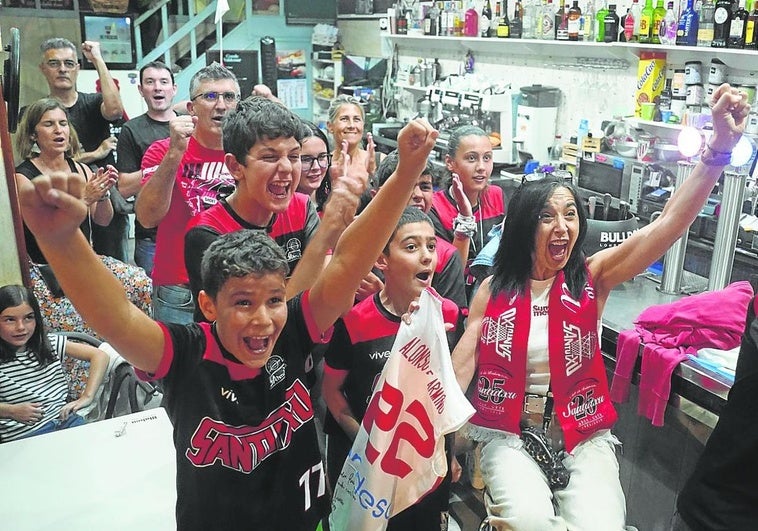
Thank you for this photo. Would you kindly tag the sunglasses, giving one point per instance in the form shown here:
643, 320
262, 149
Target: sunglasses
562, 176
213, 96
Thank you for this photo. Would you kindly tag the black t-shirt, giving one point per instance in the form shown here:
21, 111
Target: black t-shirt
136, 136
722, 493
247, 455
90, 125
30, 171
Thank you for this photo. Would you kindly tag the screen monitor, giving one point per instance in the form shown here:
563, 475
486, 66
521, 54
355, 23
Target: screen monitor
115, 33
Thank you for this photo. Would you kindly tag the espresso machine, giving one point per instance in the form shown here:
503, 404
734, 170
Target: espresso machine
536, 121
493, 112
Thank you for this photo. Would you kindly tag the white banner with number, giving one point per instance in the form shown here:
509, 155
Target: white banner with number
399, 453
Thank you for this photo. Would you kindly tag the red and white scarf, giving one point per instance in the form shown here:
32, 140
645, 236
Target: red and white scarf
577, 372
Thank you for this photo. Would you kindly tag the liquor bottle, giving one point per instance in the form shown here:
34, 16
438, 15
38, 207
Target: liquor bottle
751, 36
471, 21
496, 19
504, 24
485, 20
574, 21
628, 25
517, 24
588, 22
669, 26
528, 20
659, 13
600, 23
737, 27
428, 23
611, 23
548, 21
636, 10
402, 23
459, 19
705, 24
722, 19
646, 22
561, 22
686, 32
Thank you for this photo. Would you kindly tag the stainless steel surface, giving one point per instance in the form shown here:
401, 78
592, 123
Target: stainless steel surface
673, 260
727, 228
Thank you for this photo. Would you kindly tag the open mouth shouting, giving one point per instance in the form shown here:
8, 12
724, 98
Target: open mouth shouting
280, 191
559, 250
425, 277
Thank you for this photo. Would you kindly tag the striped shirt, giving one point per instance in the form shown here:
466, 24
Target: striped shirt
25, 380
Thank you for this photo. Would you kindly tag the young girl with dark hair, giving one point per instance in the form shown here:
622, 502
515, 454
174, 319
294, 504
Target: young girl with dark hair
33, 388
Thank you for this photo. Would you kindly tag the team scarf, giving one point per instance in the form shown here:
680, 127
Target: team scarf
577, 372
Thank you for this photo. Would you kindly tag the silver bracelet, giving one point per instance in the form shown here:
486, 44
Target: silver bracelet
464, 225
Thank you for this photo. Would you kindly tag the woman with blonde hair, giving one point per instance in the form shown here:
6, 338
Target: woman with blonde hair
47, 143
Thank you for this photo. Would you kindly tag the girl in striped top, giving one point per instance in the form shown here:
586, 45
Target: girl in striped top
33, 387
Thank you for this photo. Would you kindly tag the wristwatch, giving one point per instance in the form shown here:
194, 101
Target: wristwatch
711, 157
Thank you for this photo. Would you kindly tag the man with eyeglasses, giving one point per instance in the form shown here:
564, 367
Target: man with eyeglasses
157, 88
92, 116
182, 176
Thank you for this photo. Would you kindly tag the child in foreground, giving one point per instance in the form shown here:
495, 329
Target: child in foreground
246, 447
33, 388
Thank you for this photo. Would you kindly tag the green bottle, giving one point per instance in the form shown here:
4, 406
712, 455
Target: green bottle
600, 24
646, 22
659, 13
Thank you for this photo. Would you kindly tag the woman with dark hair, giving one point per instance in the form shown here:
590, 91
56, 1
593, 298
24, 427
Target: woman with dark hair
469, 157
315, 160
47, 143
33, 388
543, 412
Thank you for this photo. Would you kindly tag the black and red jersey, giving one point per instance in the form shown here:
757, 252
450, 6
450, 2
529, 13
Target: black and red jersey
291, 230
247, 455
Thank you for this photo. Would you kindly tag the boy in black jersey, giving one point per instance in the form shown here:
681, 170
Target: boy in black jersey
246, 451
361, 345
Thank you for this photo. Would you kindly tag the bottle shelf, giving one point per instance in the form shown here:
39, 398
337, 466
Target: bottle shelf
734, 58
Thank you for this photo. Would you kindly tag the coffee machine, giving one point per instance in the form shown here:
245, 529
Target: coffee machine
536, 121
493, 112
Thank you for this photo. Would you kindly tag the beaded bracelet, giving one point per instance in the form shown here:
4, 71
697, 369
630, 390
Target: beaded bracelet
464, 225
711, 157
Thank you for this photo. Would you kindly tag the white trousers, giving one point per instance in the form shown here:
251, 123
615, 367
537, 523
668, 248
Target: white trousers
521, 500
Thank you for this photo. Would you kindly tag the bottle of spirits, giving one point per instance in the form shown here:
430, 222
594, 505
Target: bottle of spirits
659, 13
600, 23
588, 22
402, 23
504, 24
548, 21
686, 32
646, 22
738, 27
705, 23
574, 21
636, 10
561, 22
485, 20
611, 23
471, 21
722, 20
496, 20
751, 38
628, 25
517, 24
527, 19
669, 26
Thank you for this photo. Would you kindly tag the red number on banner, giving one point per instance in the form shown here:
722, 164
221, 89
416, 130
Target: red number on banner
386, 421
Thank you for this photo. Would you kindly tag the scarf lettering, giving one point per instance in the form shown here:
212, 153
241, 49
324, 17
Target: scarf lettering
500, 332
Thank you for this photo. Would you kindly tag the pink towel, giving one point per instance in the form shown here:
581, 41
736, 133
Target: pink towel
669, 332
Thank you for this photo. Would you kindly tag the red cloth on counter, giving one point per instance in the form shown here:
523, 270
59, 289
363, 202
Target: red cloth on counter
668, 333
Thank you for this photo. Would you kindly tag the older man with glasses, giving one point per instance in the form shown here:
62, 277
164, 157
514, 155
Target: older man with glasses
93, 116
183, 175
